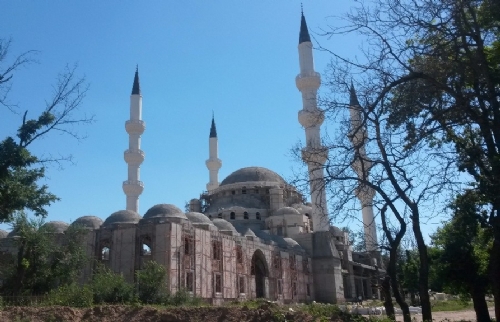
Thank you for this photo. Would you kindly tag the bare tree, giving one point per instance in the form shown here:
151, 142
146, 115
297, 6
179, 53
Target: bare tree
19, 169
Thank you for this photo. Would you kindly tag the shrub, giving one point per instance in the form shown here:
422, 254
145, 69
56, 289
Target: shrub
109, 287
71, 295
151, 284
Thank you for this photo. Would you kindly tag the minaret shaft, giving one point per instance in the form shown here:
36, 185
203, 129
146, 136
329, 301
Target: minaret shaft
134, 156
361, 166
213, 163
311, 118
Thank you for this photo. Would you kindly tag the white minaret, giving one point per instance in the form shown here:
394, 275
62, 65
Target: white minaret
361, 166
311, 118
213, 163
134, 156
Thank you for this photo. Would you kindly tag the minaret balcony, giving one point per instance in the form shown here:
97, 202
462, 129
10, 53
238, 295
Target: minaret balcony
315, 156
213, 164
308, 81
135, 126
133, 187
311, 118
134, 156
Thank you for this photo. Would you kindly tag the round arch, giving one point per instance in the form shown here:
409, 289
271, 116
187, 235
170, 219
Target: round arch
260, 270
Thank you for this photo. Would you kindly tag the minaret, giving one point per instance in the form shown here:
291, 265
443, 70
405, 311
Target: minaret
134, 156
311, 118
361, 166
213, 163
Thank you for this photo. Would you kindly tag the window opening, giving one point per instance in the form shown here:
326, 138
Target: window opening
239, 254
244, 191
146, 250
294, 289
279, 231
217, 250
245, 215
219, 215
233, 192
105, 253
189, 281
233, 215
257, 216
218, 283
280, 287
242, 284
188, 246
308, 290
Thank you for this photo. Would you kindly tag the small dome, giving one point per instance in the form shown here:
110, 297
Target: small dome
224, 225
249, 232
164, 211
287, 211
57, 226
3, 233
336, 231
198, 218
303, 209
252, 174
292, 243
122, 217
91, 222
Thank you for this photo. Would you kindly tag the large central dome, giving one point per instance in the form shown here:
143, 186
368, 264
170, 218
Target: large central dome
252, 174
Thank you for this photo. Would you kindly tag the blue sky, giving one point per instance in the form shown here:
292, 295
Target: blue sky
236, 58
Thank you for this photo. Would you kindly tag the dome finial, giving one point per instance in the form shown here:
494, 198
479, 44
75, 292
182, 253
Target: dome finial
301, 9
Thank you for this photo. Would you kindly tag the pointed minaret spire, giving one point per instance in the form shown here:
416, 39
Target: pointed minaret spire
213, 129
304, 32
353, 97
136, 88
311, 117
134, 156
213, 163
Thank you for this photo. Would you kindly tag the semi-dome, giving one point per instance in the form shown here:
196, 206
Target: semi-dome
252, 174
292, 243
164, 211
224, 225
3, 233
123, 217
287, 211
91, 222
198, 218
57, 226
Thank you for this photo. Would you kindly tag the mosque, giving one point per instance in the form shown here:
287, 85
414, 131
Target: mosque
252, 235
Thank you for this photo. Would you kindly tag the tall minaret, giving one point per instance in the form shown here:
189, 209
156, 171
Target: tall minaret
213, 163
134, 156
311, 118
361, 166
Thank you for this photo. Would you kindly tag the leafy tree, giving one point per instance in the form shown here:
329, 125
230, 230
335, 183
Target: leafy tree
110, 287
20, 170
464, 253
44, 260
151, 287
434, 66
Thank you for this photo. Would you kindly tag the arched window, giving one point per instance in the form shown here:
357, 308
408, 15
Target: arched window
244, 191
219, 215
105, 253
233, 192
233, 215
257, 215
210, 217
245, 215
145, 250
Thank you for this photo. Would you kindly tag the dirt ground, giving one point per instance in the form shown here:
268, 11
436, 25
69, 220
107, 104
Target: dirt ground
468, 315
206, 314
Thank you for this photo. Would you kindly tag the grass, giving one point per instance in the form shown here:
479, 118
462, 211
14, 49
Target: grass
451, 305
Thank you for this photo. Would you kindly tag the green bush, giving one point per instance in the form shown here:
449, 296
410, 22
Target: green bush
151, 287
109, 287
71, 295
183, 297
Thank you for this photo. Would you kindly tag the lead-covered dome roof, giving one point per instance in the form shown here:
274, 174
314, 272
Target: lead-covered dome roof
224, 225
123, 217
252, 174
198, 218
57, 226
91, 222
164, 211
287, 211
3, 233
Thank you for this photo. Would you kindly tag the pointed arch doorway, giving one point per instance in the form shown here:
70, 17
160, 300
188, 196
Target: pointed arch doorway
260, 271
